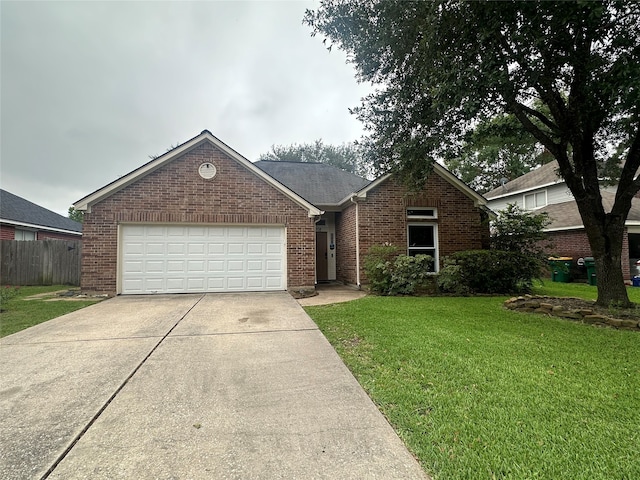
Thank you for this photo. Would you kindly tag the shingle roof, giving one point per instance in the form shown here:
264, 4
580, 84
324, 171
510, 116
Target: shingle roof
318, 183
543, 175
566, 215
17, 209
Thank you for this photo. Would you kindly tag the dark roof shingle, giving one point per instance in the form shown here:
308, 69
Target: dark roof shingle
318, 183
17, 209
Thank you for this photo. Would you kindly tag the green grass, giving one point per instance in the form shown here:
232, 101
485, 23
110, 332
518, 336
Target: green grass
579, 290
479, 392
18, 313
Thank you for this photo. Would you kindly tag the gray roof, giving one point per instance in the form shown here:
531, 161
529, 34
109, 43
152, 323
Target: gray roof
543, 175
566, 215
16, 209
318, 183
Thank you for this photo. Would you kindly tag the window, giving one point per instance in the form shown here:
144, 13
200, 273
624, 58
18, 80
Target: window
421, 212
423, 240
535, 200
25, 235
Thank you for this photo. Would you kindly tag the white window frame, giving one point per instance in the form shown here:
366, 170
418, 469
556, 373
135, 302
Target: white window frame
435, 248
535, 200
20, 232
419, 217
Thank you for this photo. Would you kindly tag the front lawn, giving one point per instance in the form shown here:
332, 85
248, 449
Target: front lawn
477, 391
19, 313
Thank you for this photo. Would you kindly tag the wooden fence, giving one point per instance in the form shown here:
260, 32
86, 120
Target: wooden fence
40, 262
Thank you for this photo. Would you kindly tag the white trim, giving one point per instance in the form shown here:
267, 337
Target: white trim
525, 190
133, 176
39, 227
560, 229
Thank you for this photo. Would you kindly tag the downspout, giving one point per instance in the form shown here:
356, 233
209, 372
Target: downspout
357, 242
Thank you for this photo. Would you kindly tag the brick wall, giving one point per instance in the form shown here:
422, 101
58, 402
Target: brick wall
176, 193
43, 235
7, 232
574, 243
346, 245
383, 217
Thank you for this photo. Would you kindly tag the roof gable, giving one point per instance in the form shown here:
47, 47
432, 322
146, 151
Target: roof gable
478, 200
542, 176
20, 212
319, 183
157, 163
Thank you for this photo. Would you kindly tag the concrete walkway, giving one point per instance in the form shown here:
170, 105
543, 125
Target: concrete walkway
332, 293
229, 386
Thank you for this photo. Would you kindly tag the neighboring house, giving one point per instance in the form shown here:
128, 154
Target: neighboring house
202, 218
543, 190
22, 220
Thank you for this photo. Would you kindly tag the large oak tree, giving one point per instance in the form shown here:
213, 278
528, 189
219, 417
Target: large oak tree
442, 67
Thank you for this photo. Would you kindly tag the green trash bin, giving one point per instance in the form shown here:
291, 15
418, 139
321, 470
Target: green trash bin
560, 269
590, 264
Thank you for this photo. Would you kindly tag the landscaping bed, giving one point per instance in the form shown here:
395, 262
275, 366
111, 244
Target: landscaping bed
577, 309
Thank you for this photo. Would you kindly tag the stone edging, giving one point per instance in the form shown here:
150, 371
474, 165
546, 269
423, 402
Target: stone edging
537, 304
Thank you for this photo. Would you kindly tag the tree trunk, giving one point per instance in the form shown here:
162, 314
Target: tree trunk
606, 247
611, 288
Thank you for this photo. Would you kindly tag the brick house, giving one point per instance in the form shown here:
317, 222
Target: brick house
21, 219
202, 218
543, 190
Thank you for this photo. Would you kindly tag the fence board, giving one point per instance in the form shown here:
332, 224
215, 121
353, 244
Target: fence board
40, 262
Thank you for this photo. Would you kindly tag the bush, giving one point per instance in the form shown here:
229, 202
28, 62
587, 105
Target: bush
7, 293
390, 273
488, 271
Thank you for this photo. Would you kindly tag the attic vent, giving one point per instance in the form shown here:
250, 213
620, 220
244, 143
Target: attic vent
207, 170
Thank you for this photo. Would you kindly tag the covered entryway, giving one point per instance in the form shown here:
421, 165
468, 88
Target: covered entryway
188, 259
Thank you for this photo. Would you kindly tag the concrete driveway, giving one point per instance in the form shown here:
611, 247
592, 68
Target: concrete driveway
215, 386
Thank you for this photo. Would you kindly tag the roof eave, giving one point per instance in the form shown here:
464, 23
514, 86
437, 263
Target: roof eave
39, 227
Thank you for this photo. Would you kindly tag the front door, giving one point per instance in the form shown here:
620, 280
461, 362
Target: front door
322, 262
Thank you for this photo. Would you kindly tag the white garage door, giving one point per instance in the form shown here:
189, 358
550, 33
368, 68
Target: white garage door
185, 259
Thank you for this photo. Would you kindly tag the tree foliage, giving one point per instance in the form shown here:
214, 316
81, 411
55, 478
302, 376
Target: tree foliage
347, 156
77, 215
496, 150
442, 67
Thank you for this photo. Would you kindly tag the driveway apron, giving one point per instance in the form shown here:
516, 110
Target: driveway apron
229, 386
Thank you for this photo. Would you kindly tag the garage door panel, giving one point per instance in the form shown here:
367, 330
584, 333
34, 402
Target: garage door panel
215, 266
235, 283
235, 248
235, 266
154, 266
216, 249
195, 266
173, 258
176, 248
154, 248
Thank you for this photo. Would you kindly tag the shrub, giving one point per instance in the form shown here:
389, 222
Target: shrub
7, 293
488, 271
390, 273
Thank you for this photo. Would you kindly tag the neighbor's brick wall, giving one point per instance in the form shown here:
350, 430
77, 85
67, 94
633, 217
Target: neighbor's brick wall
176, 193
383, 217
574, 243
7, 232
42, 235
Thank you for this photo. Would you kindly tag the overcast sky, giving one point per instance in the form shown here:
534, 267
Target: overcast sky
90, 89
